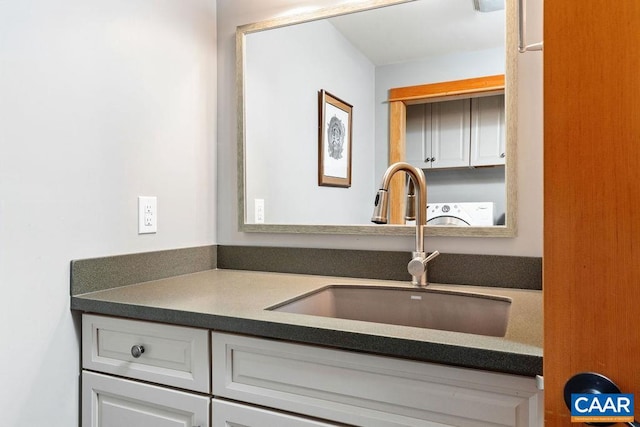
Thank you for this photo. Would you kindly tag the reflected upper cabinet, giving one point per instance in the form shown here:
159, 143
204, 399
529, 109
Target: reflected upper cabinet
451, 125
441, 137
460, 133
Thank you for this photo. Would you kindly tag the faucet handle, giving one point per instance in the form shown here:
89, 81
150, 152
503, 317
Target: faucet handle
431, 256
418, 265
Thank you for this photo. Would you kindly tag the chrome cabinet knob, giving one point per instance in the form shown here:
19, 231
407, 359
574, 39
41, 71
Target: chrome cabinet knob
137, 350
502, 155
433, 159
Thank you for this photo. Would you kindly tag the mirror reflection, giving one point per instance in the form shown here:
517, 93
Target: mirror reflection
364, 58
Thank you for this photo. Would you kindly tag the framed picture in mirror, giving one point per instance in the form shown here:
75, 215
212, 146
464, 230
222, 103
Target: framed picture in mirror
334, 141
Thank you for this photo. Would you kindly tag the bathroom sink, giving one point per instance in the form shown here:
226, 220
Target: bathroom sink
433, 309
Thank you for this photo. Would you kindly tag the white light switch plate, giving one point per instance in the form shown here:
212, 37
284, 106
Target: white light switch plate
147, 214
259, 214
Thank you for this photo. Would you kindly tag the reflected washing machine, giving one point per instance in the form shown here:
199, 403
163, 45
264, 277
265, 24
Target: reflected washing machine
477, 214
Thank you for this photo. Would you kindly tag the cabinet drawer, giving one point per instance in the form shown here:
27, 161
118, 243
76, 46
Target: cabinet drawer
116, 402
230, 414
366, 390
173, 355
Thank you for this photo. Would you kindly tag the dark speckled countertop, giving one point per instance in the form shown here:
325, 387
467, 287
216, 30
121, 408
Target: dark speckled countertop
235, 301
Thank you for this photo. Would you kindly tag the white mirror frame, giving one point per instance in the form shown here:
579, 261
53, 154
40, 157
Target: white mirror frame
511, 118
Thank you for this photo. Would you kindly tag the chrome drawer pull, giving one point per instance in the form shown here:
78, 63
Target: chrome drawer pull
137, 350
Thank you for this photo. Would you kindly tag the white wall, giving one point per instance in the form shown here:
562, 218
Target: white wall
100, 101
282, 108
529, 240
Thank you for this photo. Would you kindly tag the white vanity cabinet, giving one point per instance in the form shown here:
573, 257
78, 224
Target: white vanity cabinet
120, 358
366, 390
459, 133
149, 374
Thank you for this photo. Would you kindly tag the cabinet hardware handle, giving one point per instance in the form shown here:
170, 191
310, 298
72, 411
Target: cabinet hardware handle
433, 159
427, 159
137, 350
522, 22
502, 155
539, 382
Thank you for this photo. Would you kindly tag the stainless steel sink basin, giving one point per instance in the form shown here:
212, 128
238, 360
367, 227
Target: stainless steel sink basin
433, 309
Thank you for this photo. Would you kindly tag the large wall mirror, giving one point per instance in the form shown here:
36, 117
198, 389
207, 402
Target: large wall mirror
364, 54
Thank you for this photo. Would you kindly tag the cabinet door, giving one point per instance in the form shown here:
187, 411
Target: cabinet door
116, 402
487, 131
450, 133
229, 414
418, 135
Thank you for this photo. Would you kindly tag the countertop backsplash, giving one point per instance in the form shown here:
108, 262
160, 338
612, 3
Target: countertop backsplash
89, 275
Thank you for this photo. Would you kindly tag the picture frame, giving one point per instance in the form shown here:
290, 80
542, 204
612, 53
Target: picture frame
334, 141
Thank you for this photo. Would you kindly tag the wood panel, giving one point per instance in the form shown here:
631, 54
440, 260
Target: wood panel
466, 87
397, 153
591, 196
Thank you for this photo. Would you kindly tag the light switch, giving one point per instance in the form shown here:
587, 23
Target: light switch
259, 207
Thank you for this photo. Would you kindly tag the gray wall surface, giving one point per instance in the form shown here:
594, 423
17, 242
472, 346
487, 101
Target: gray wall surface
101, 102
281, 110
